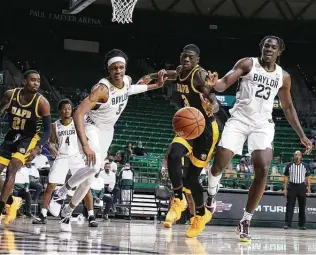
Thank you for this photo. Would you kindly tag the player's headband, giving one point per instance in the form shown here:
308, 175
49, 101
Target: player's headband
116, 59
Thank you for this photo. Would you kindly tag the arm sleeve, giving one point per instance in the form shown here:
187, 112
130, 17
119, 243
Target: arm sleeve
287, 168
136, 89
46, 130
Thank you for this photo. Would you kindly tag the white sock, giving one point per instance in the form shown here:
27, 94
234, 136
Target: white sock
213, 183
66, 210
247, 216
82, 190
44, 212
90, 212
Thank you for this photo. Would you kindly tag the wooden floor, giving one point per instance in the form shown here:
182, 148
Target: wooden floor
139, 237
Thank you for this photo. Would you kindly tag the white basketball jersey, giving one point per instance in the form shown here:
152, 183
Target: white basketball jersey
108, 113
67, 139
256, 93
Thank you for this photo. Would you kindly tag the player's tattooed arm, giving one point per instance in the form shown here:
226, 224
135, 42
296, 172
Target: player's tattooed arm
100, 94
52, 141
4, 103
140, 86
290, 112
208, 98
170, 74
242, 67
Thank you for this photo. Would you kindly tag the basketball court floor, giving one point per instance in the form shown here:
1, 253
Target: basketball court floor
140, 237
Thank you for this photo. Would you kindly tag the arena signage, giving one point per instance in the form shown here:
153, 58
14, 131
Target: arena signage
65, 18
271, 208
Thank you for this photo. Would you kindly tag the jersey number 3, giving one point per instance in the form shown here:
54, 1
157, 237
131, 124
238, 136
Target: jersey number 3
67, 140
185, 101
263, 92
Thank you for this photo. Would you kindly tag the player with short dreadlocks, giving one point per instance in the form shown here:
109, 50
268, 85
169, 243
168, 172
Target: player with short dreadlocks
261, 80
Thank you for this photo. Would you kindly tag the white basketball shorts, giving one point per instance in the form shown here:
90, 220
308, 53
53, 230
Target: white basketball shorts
236, 132
62, 165
99, 141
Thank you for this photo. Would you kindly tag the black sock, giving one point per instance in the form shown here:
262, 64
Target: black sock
10, 200
2, 205
200, 211
178, 193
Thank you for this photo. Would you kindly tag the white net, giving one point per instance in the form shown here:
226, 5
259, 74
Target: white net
123, 10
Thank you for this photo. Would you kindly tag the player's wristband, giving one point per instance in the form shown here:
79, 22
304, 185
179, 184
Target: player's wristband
137, 89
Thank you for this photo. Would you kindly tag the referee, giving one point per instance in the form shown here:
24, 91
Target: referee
295, 181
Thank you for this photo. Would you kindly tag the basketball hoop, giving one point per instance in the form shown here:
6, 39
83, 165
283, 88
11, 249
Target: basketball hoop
123, 10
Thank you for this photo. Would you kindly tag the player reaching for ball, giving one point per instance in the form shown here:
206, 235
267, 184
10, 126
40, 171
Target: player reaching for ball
251, 119
192, 87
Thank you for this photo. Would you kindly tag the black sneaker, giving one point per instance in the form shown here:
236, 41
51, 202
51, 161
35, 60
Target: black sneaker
40, 220
92, 222
286, 227
302, 228
106, 217
243, 231
210, 203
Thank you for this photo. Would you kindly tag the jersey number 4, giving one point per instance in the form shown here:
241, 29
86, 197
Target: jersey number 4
263, 92
67, 140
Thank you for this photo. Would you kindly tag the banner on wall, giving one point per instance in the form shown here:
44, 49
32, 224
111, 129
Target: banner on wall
65, 18
230, 206
229, 101
226, 100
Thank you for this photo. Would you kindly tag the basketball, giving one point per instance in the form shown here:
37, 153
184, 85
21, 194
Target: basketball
188, 123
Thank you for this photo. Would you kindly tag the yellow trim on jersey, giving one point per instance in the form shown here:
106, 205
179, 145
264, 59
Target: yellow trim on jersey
184, 142
187, 191
114, 85
36, 107
192, 81
200, 163
26, 105
4, 161
182, 161
11, 98
32, 145
193, 69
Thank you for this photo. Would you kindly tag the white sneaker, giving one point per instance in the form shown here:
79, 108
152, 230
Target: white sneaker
56, 202
65, 225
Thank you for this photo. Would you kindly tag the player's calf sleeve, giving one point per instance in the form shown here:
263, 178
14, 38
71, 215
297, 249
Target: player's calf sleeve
82, 190
83, 173
175, 164
213, 183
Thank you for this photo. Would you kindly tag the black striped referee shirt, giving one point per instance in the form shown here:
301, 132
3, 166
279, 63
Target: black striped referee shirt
297, 172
